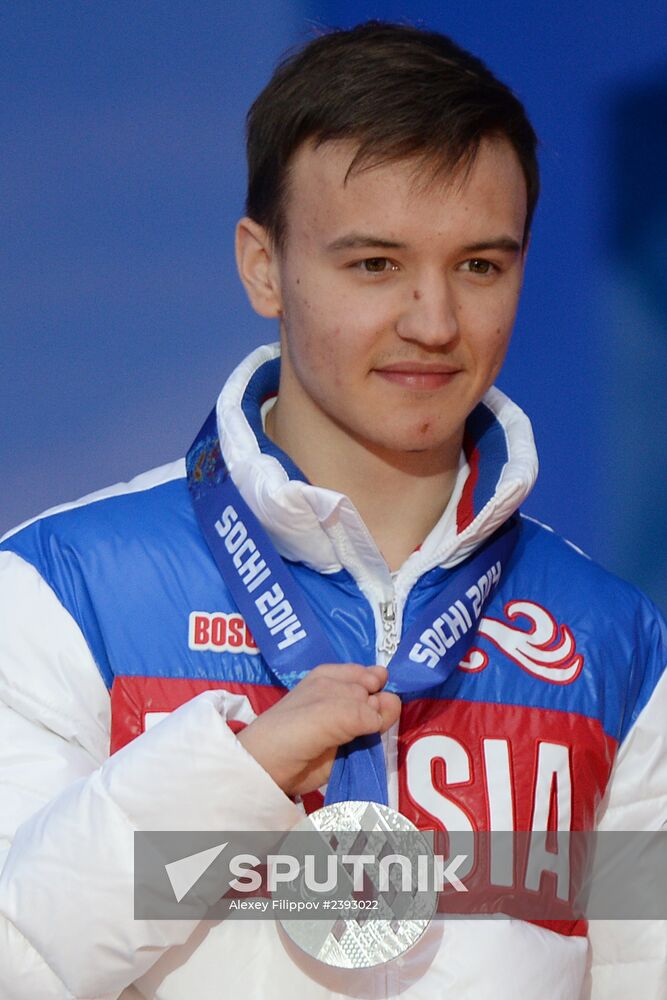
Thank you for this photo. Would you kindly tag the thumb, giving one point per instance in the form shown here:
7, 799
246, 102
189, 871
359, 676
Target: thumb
389, 707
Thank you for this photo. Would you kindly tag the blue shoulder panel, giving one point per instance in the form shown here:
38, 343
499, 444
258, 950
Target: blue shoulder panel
110, 559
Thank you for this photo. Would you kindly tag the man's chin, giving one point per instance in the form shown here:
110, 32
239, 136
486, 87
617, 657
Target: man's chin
420, 448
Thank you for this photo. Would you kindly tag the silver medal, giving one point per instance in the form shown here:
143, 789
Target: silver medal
361, 930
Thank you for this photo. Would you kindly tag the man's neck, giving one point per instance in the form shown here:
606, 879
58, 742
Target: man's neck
399, 498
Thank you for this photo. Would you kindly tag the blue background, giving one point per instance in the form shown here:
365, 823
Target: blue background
122, 176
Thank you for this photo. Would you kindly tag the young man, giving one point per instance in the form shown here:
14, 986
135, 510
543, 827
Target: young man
392, 183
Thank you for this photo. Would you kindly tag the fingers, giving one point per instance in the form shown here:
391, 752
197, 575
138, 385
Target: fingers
390, 709
342, 683
377, 714
375, 677
296, 739
372, 678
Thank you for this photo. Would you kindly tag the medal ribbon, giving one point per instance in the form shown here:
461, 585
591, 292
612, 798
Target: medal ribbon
287, 630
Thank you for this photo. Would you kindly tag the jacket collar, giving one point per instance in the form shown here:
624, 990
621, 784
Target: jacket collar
322, 528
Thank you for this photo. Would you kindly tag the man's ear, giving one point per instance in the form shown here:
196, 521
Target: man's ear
257, 265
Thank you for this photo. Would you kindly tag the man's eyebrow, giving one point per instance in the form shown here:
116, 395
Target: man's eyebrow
507, 243
354, 241
357, 241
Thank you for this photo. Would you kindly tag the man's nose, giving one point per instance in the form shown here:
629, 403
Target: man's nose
430, 314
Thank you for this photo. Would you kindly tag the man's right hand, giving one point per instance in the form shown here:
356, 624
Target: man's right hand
296, 740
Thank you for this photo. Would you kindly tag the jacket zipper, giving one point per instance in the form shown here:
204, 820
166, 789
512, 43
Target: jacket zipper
388, 616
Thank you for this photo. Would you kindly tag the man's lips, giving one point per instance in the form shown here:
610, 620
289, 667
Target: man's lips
413, 375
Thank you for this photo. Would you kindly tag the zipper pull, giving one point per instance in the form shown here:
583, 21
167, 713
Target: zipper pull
389, 638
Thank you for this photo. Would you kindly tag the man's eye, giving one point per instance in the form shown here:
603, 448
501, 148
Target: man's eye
377, 265
477, 265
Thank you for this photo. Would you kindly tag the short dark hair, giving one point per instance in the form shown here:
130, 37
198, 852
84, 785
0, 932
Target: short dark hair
400, 91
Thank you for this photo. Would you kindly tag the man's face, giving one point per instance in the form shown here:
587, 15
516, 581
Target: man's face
397, 297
